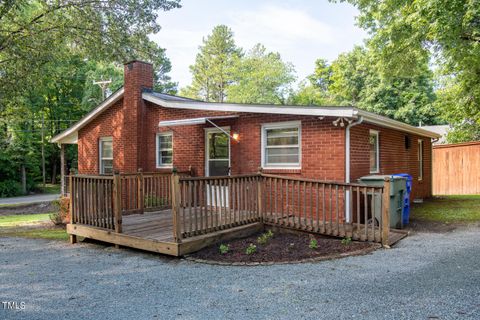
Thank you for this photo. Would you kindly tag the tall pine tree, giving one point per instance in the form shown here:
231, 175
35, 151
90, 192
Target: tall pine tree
213, 66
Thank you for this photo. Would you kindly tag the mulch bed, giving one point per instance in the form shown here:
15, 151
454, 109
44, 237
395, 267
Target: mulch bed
281, 248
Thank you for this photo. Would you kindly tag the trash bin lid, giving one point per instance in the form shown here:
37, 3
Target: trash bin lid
379, 177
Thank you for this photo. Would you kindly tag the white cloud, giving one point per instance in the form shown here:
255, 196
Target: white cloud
279, 25
300, 36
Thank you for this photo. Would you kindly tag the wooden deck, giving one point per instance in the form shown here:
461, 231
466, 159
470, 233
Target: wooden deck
153, 231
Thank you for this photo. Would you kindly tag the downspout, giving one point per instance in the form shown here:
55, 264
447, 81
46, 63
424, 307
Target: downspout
347, 166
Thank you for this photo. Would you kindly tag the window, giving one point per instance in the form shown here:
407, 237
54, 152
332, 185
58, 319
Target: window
374, 152
420, 159
164, 150
281, 145
106, 155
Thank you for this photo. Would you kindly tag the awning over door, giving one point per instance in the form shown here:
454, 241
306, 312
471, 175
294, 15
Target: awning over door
193, 121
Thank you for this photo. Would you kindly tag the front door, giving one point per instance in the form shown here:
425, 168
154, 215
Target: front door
217, 153
217, 163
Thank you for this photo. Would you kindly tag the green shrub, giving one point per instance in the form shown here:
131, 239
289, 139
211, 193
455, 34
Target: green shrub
251, 249
154, 201
224, 248
263, 239
346, 241
10, 188
313, 243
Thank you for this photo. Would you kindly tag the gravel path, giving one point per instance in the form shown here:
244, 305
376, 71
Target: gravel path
29, 199
426, 276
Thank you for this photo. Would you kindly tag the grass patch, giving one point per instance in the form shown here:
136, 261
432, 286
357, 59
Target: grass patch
49, 188
50, 234
22, 219
448, 209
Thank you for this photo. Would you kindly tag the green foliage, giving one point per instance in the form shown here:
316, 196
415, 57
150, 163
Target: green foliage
449, 209
154, 201
22, 219
224, 248
222, 72
263, 239
10, 188
406, 35
212, 71
251, 249
313, 243
260, 77
346, 241
355, 79
50, 54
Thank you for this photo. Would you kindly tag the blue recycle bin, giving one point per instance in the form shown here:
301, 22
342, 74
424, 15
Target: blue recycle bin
406, 198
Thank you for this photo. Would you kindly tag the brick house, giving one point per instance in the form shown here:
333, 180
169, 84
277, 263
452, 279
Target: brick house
138, 128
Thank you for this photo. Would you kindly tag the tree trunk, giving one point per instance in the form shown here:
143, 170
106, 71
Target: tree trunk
24, 180
54, 172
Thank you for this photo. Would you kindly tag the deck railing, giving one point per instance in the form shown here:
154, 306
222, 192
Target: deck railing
319, 206
208, 204
202, 205
92, 200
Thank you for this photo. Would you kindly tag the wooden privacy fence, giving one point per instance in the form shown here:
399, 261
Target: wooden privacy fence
456, 168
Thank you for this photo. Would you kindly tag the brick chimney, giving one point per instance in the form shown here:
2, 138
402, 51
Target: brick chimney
138, 76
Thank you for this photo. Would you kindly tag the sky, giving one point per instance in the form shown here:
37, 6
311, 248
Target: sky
301, 31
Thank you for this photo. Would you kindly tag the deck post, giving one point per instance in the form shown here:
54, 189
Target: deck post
117, 201
260, 195
73, 238
63, 188
141, 196
386, 212
176, 207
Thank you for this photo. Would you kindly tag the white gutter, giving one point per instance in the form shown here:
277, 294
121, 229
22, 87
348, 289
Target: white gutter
348, 215
394, 124
192, 121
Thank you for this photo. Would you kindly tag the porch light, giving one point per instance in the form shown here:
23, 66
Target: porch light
235, 136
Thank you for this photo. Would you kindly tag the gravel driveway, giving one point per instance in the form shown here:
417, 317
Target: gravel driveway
426, 276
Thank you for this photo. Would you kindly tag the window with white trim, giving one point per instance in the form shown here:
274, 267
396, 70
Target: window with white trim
374, 152
420, 159
164, 150
106, 155
281, 145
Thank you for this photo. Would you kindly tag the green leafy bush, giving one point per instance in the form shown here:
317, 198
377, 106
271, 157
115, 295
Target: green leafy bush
346, 241
224, 248
251, 249
263, 239
10, 188
313, 243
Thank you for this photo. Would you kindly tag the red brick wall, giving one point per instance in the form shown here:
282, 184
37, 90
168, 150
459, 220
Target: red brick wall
107, 124
133, 124
322, 143
394, 157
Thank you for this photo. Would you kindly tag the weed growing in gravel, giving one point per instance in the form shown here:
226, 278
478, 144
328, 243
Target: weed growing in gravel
251, 249
263, 239
224, 248
313, 243
346, 241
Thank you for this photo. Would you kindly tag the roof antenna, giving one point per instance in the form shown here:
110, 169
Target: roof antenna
103, 84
